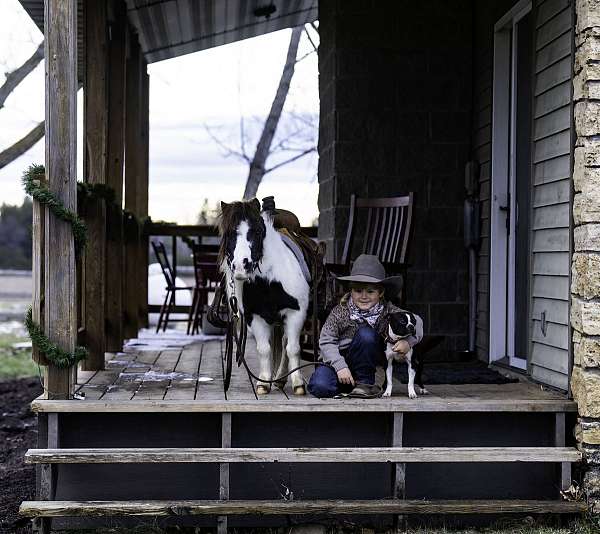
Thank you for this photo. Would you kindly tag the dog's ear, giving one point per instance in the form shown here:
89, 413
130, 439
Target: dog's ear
224, 207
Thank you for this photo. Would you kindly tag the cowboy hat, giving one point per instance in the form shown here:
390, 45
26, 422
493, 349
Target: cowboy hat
367, 269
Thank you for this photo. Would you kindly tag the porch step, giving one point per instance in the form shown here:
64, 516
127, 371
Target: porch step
303, 454
281, 507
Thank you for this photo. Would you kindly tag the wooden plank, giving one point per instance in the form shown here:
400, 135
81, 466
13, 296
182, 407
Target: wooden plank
550, 377
551, 240
553, 287
560, 438
95, 142
393, 404
553, 146
553, 358
224, 470
184, 388
552, 193
555, 98
553, 52
557, 311
380, 506
38, 261
133, 169
60, 30
549, 9
551, 263
553, 28
210, 367
226, 454
142, 192
555, 216
114, 179
552, 123
547, 79
557, 335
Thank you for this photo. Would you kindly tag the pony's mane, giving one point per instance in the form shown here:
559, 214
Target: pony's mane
230, 218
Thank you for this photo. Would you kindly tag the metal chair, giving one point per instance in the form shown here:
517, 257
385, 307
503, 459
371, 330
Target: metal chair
206, 275
171, 287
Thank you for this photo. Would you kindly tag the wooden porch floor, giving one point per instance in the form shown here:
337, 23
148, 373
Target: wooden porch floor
172, 372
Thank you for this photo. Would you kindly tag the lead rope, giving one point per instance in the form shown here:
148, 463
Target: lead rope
235, 317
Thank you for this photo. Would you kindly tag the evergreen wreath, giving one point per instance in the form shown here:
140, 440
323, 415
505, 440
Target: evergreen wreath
40, 192
58, 357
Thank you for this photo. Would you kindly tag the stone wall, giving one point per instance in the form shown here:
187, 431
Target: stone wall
585, 286
395, 89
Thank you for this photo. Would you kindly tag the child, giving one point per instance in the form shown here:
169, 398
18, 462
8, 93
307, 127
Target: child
352, 338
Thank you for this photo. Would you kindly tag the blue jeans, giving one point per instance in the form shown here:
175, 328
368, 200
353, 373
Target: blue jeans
364, 353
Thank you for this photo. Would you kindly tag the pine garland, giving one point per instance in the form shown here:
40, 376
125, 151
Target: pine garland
52, 351
40, 192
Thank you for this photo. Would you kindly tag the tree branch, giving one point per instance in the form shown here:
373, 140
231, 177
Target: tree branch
297, 156
257, 167
14, 78
310, 40
23, 145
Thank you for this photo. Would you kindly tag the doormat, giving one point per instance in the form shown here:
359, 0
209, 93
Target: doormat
474, 372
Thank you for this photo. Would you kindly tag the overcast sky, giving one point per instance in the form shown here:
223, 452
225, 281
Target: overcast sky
209, 89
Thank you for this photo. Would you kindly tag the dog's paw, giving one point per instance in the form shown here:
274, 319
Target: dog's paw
387, 393
423, 391
412, 394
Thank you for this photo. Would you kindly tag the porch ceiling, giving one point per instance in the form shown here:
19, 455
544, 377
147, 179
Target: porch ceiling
171, 28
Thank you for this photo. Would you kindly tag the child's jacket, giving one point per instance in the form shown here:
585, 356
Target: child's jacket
339, 329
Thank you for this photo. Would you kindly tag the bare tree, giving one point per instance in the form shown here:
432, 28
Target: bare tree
294, 141
12, 81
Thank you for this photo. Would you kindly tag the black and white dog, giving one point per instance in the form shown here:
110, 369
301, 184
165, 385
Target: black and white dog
402, 325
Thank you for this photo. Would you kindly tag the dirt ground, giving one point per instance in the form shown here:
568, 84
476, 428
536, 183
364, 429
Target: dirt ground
18, 432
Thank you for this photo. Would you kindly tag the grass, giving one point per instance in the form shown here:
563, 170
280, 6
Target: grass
15, 363
527, 525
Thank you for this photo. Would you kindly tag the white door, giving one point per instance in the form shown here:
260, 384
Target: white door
511, 186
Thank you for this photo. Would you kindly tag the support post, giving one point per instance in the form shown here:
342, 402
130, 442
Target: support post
224, 470
37, 263
95, 143
560, 441
399, 475
60, 314
132, 172
142, 204
48, 474
117, 51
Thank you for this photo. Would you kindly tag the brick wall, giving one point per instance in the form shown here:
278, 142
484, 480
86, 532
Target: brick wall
585, 286
395, 89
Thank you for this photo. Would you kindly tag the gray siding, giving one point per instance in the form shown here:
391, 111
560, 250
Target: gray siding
551, 190
551, 195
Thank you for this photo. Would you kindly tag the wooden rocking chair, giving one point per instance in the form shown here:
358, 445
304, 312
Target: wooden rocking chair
386, 234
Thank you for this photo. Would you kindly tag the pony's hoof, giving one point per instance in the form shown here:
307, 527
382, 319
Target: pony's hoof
299, 390
262, 390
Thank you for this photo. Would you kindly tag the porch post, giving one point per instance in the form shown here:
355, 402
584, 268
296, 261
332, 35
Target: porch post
60, 314
142, 204
133, 147
585, 284
117, 50
95, 143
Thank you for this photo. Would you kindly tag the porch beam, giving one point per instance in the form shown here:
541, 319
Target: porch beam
132, 173
142, 193
95, 143
60, 31
117, 51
